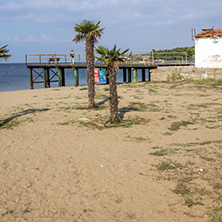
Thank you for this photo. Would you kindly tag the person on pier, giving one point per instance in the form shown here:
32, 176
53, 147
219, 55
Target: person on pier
72, 57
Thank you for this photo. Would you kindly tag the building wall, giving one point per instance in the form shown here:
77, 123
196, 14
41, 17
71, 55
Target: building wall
208, 52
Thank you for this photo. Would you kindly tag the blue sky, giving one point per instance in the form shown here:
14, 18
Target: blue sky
46, 26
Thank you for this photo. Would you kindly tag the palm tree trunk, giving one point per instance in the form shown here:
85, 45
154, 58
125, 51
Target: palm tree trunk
90, 70
114, 116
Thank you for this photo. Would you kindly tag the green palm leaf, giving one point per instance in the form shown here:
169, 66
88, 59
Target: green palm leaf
3, 52
87, 29
89, 32
109, 56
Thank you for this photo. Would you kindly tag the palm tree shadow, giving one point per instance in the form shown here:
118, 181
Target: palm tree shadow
22, 113
122, 111
125, 110
106, 99
103, 102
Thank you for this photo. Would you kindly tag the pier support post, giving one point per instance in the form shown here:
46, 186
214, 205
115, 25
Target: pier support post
76, 75
31, 78
61, 77
124, 74
143, 75
45, 77
48, 78
107, 77
149, 76
129, 75
134, 75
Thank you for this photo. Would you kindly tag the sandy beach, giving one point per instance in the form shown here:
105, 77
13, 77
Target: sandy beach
60, 163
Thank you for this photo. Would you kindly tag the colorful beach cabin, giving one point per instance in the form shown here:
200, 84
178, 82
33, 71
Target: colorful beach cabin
208, 48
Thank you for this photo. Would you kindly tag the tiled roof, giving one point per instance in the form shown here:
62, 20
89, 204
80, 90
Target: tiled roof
209, 33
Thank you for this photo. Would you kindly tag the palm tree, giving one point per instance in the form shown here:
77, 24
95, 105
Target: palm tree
112, 58
90, 32
3, 52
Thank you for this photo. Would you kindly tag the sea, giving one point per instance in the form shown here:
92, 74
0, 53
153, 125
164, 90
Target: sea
15, 76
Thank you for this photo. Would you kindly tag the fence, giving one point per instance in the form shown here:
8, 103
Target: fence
133, 57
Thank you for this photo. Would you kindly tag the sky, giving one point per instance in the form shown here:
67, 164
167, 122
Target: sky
47, 26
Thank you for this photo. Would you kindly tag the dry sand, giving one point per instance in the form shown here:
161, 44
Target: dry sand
57, 166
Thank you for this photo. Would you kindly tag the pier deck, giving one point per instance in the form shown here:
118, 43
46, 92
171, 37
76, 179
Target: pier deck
47, 68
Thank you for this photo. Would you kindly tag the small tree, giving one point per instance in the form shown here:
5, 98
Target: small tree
112, 58
90, 32
3, 52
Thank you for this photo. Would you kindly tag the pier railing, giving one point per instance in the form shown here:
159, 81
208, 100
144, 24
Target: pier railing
133, 57
54, 58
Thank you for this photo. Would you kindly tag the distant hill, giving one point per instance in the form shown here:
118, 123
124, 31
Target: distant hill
175, 53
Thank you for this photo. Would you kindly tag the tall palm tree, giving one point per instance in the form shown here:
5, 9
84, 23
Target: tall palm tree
3, 52
112, 58
90, 32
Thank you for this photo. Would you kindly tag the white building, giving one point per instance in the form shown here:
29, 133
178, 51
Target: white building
208, 48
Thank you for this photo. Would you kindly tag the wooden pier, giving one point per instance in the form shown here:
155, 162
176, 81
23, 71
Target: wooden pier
53, 69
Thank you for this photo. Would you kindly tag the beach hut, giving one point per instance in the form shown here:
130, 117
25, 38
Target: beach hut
208, 48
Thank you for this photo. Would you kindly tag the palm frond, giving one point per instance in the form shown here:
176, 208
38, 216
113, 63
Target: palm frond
102, 50
78, 38
87, 29
124, 52
111, 56
3, 52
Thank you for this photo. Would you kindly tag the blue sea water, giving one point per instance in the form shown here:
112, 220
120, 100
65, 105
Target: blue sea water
15, 76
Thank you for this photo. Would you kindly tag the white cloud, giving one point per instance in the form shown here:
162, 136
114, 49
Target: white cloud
30, 38
10, 6
127, 22
45, 38
42, 38
119, 12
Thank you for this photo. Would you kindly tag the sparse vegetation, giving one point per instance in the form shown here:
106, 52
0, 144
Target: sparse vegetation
84, 88
66, 123
177, 125
168, 165
5, 126
7, 212
163, 152
179, 138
